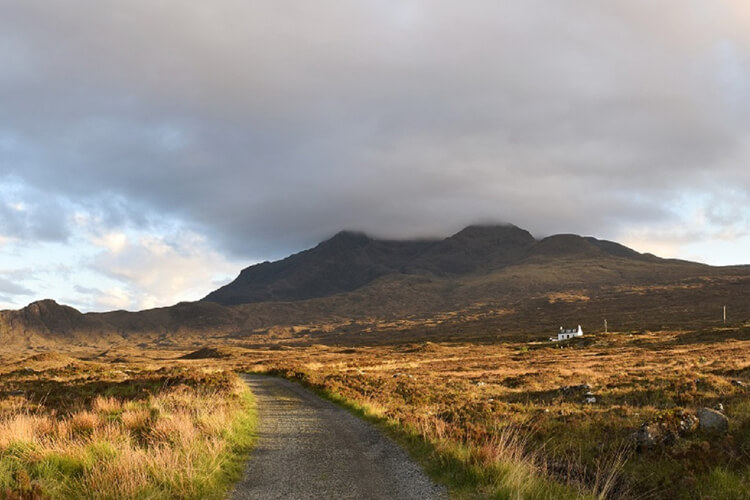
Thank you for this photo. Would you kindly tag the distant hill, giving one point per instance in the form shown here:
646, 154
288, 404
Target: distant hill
48, 319
351, 260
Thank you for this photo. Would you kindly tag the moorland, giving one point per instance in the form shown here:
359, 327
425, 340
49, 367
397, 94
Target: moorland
444, 344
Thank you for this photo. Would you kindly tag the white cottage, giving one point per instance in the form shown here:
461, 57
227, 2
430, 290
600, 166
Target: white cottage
568, 333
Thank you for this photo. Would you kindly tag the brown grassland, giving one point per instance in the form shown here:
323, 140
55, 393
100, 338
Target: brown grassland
490, 418
78, 429
503, 415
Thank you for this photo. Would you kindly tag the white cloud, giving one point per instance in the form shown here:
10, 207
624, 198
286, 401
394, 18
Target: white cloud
160, 270
113, 242
706, 227
112, 299
102, 269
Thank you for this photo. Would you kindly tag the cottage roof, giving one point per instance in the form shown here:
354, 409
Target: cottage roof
569, 330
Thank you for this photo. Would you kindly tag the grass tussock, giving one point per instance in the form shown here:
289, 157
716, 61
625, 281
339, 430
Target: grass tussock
186, 437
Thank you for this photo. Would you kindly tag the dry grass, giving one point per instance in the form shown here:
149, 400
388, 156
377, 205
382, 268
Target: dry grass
493, 414
505, 412
172, 440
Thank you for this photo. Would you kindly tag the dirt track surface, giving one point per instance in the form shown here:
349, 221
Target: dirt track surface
309, 448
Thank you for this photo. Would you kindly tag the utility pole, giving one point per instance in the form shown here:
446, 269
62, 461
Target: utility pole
725, 315
605, 326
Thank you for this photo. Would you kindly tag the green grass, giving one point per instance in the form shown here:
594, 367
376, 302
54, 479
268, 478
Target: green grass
240, 442
722, 484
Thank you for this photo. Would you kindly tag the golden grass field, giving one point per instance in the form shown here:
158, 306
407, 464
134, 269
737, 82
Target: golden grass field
74, 429
491, 419
481, 402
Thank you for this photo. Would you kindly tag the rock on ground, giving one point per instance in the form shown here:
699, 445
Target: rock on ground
712, 420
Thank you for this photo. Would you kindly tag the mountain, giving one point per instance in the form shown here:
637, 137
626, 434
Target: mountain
343, 263
349, 261
484, 282
475, 248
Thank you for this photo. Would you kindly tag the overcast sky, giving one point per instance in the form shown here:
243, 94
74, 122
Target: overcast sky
150, 149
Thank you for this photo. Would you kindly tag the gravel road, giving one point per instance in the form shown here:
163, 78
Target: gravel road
309, 448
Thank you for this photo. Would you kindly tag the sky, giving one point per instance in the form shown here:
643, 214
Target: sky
150, 149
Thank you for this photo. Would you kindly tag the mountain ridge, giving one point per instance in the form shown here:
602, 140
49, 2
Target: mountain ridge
480, 281
350, 260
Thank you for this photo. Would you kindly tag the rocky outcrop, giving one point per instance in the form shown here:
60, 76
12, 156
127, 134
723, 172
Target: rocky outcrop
665, 430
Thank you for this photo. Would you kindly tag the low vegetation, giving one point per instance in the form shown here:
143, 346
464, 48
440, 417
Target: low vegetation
83, 430
608, 415
604, 416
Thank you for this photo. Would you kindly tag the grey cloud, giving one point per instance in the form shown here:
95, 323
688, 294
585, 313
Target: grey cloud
31, 216
9, 288
87, 291
268, 125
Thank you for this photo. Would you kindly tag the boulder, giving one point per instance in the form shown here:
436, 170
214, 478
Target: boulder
712, 420
647, 437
